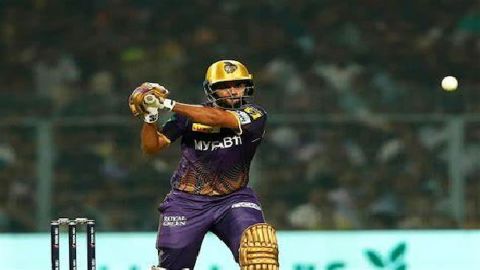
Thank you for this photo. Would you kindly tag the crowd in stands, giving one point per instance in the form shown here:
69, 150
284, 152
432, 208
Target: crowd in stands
341, 80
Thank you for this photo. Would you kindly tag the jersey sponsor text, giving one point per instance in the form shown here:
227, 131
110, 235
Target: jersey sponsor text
213, 145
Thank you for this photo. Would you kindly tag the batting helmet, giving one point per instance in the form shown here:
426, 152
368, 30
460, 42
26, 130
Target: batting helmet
226, 71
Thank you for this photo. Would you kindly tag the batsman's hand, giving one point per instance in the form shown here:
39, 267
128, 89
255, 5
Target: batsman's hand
161, 103
136, 101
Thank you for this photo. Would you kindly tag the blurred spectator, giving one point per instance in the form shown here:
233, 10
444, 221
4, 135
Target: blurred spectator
316, 214
55, 76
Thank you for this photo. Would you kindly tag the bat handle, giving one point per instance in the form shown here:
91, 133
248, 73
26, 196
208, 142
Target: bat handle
149, 100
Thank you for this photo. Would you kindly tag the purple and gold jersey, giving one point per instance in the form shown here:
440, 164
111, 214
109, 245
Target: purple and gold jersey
216, 161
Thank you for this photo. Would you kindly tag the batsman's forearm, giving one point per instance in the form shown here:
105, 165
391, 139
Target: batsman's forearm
152, 142
207, 115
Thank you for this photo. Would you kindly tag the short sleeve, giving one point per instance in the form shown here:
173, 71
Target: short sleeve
175, 127
252, 120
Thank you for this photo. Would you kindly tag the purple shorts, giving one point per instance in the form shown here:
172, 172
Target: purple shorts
186, 218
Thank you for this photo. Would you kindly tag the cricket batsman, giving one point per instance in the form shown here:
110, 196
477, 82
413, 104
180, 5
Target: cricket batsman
209, 187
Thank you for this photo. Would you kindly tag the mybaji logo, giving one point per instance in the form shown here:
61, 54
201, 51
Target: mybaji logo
394, 261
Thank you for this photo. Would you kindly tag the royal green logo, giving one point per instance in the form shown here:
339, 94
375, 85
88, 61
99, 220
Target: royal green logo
394, 261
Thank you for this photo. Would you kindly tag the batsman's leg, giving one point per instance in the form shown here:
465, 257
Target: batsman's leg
252, 242
182, 226
259, 248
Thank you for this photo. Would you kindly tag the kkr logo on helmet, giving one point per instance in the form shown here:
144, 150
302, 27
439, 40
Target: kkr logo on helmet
230, 67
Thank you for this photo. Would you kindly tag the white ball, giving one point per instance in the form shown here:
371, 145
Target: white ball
449, 83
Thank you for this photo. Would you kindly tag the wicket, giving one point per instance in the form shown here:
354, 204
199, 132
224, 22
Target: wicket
72, 242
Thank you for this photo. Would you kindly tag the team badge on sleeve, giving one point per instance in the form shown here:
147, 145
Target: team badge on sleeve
243, 117
253, 112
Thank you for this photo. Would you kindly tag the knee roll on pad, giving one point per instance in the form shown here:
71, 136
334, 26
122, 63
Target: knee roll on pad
259, 248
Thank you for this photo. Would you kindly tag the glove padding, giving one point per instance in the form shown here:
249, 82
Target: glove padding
136, 99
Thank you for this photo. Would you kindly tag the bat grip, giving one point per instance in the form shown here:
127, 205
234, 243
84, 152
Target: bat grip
149, 99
